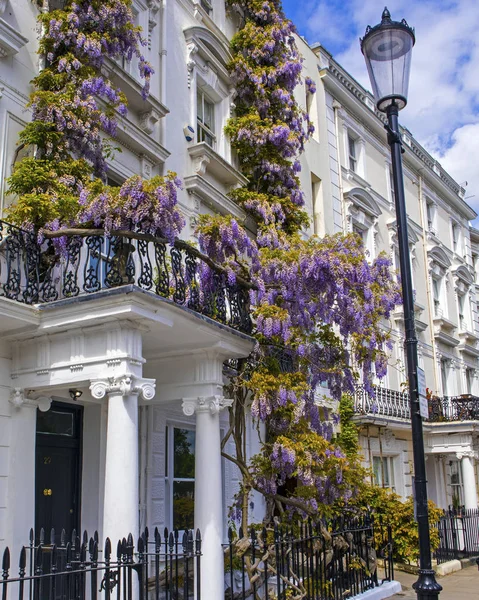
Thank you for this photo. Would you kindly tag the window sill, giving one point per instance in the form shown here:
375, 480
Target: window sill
133, 90
212, 197
11, 40
205, 159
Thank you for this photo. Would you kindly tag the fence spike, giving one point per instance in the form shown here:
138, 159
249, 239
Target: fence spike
119, 548
171, 542
96, 537
74, 537
85, 537
22, 563
63, 536
107, 549
6, 562
68, 553
190, 541
52, 536
165, 533
94, 555
198, 542
147, 533
42, 535
32, 536
230, 534
141, 545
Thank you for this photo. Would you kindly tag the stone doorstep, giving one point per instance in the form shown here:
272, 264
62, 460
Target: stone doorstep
446, 568
386, 590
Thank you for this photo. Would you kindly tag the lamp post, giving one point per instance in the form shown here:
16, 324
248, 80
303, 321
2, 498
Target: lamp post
387, 50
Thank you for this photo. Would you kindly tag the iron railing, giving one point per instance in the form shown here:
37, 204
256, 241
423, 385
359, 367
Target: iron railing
67, 267
385, 402
458, 532
394, 404
315, 561
454, 408
161, 568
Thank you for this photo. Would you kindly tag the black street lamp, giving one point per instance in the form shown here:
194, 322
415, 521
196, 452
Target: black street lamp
387, 50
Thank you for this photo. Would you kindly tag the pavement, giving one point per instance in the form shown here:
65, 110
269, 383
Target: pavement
462, 585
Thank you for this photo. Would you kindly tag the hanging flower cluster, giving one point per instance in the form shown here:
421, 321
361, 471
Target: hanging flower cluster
318, 305
75, 109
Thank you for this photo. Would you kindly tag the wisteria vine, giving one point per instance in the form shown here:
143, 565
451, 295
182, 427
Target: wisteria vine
75, 111
318, 305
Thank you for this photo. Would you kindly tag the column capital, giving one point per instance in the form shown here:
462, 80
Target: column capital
126, 385
19, 399
212, 405
466, 454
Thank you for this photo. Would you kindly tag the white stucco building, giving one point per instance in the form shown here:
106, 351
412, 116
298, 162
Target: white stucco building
111, 401
349, 178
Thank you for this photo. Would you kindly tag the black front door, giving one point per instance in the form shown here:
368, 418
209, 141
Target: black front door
57, 470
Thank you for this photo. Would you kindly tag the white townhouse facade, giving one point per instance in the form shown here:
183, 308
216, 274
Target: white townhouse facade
347, 171
111, 402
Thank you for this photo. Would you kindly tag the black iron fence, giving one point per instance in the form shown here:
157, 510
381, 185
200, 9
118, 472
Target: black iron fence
395, 404
159, 568
309, 561
458, 532
70, 266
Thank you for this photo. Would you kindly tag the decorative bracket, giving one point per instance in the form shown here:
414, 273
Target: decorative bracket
18, 399
148, 120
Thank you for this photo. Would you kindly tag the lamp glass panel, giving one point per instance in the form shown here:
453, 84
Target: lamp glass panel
388, 59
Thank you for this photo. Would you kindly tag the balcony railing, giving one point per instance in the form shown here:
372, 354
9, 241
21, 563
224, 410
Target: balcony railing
454, 408
89, 262
386, 403
394, 404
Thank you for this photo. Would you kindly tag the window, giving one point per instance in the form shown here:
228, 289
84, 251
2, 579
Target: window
205, 111
430, 215
363, 234
317, 204
180, 476
444, 376
461, 305
206, 6
469, 380
455, 237
383, 471
391, 184
436, 294
456, 484
352, 150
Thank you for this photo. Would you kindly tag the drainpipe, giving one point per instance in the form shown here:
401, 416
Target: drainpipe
163, 55
428, 289
370, 456
336, 108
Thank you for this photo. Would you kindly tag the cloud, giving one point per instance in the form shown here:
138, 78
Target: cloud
443, 107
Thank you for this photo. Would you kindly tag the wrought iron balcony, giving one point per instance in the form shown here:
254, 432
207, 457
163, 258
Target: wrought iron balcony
64, 268
454, 408
395, 404
385, 403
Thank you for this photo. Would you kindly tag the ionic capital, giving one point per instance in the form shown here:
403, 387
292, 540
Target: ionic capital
19, 399
125, 385
213, 405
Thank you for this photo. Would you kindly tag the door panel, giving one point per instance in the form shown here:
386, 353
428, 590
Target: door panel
57, 473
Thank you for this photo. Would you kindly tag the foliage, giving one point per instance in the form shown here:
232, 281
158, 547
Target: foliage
74, 108
348, 437
317, 304
389, 509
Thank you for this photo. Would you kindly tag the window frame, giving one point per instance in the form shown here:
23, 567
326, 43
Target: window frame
200, 124
386, 466
170, 478
352, 156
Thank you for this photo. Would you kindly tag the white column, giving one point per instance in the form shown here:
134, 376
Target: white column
468, 480
121, 501
209, 491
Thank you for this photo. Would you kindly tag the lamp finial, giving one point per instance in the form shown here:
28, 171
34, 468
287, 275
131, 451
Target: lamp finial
386, 15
